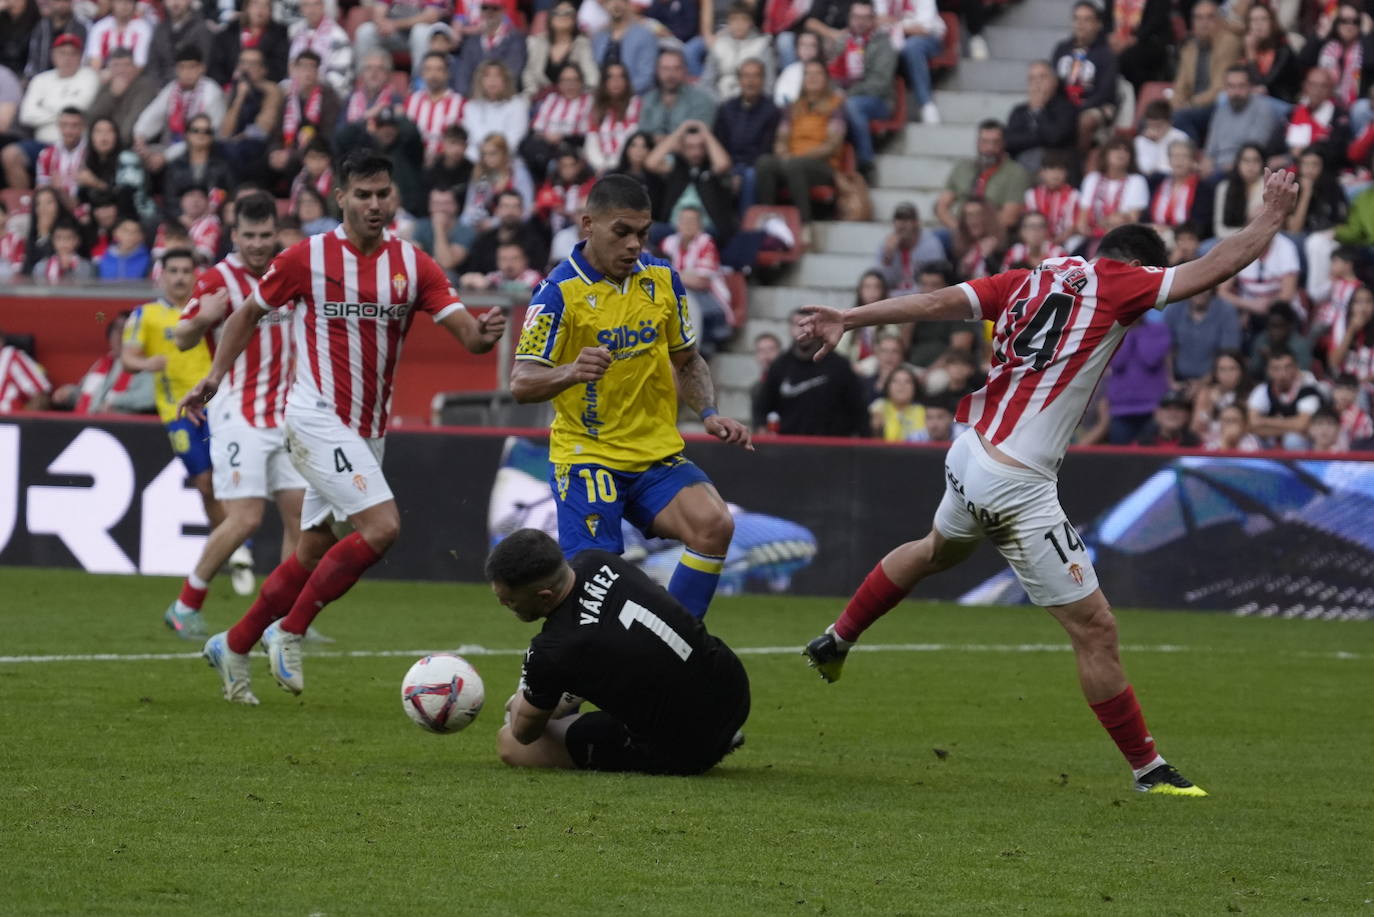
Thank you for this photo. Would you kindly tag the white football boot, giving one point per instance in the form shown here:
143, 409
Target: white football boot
284, 657
233, 670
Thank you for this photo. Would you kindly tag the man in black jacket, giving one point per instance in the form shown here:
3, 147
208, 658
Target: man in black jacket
1087, 70
812, 398
1045, 121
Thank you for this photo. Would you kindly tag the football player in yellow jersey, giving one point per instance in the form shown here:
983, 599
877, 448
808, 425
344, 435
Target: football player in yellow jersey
608, 340
148, 347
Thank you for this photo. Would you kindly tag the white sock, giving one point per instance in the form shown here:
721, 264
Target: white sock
196, 582
841, 642
1142, 771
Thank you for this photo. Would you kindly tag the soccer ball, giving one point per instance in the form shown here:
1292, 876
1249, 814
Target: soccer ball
442, 693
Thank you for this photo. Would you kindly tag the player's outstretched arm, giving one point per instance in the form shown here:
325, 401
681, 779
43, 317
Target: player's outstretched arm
698, 392
531, 381
478, 335
1232, 254
238, 331
211, 307
827, 325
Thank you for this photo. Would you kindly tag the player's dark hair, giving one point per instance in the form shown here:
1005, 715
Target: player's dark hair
618, 192
363, 163
174, 253
523, 557
1134, 242
257, 207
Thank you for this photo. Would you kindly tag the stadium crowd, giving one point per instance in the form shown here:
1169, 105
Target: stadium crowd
129, 127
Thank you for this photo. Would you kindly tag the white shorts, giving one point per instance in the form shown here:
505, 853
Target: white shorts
1018, 511
342, 471
249, 462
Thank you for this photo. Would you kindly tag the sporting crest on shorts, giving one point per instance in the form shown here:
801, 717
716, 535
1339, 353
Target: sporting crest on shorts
593, 523
398, 285
1076, 573
360, 482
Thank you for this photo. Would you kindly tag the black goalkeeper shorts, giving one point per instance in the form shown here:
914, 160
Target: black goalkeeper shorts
600, 742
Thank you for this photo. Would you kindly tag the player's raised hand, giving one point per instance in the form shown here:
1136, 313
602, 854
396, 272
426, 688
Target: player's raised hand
491, 325
729, 430
192, 407
1280, 191
591, 364
823, 324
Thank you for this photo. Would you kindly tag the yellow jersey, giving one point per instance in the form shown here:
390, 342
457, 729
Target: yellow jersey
150, 327
627, 420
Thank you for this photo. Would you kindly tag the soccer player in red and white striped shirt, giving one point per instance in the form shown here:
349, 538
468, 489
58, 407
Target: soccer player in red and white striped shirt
247, 440
436, 107
352, 294
1057, 327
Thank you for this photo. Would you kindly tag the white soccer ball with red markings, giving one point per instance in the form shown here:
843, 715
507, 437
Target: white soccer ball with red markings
442, 693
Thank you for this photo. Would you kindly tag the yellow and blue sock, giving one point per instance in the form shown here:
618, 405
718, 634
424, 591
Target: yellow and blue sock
695, 579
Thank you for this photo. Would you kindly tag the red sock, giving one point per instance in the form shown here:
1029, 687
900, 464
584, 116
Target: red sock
876, 597
192, 597
1122, 719
274, 600
338, 570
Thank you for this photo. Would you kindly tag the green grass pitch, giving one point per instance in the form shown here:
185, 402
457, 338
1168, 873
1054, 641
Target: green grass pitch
963, 777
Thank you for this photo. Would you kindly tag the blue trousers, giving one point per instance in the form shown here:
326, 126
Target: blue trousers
858, 111
917, 52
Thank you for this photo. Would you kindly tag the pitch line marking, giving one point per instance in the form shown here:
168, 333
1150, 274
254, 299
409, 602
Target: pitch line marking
478, 650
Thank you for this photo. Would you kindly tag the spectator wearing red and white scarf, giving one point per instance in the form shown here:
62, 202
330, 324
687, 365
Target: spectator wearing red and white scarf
106, 387
65, 263
317, 30
1115, 196
1356, 423
316, 172
560, 199
1175, 199
694, 256
1318, 117
865, 69
191, 93
1329, 312
123, 28
1352, 349
1344, 54
410, 24
23, 384
311, 107
1056, 199
374, 90
60, 164
1033, 245
436, 107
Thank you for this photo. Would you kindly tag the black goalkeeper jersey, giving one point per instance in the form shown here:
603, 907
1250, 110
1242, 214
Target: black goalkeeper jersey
623, 643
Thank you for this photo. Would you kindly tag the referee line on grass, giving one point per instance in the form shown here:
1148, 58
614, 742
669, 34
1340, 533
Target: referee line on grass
478, 650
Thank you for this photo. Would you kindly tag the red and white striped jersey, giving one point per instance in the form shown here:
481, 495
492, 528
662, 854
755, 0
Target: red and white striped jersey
1020, 255
59, 167
1059, 206
702, 257
559, 115
351, 313
107, 34
259, 378
612, 132
1057, 327
21, 378
432, 116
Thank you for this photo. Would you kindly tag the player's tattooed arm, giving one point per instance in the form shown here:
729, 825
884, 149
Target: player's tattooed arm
698, 392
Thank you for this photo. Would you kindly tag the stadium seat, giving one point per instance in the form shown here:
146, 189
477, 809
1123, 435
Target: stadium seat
948, 58
754, 219
884, 127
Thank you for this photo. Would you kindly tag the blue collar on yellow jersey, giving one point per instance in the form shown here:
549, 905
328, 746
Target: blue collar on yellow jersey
584, 267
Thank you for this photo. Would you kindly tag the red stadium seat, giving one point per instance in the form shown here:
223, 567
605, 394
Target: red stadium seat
754, 219
948, 58
882, 127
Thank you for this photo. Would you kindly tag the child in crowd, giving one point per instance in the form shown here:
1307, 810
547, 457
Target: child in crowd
1034, 244
1232, 431
1325, 432
1152, 143
65, 263
128, 258
1356, 424
1330, 312
897, 417
1054, 197
939, 426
